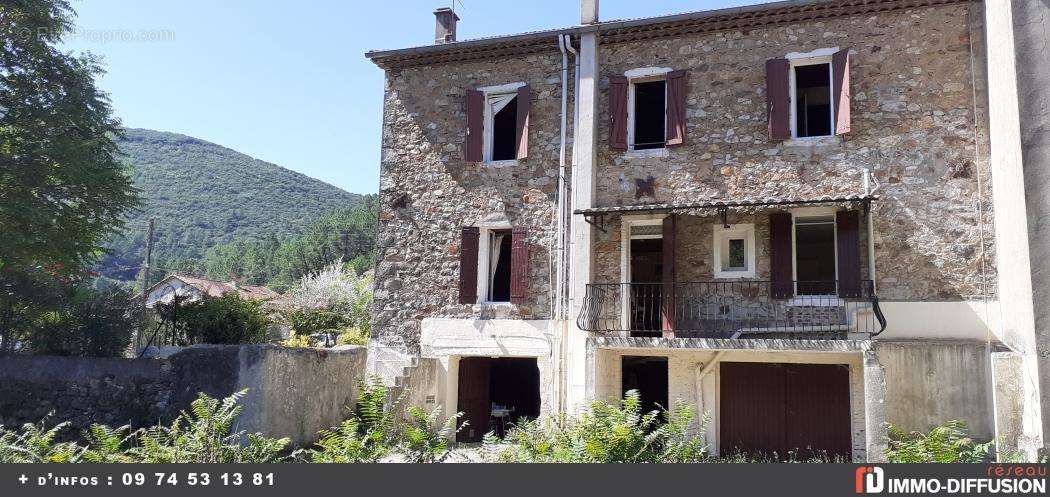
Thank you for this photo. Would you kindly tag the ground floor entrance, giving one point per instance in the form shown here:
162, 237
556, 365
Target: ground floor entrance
495, 393
647, 375
785, 408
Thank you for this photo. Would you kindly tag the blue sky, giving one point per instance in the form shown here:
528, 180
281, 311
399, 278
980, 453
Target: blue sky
286, 82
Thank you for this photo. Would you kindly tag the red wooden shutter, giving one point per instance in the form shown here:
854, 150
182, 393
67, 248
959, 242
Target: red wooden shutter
521, 133
468, 265
848, 225
519, 264
781, 267
667, 294
618, 112
676, 95
475, 126
840, 73
778, 100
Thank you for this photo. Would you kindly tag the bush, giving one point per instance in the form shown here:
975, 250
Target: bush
425, 439
334, 298
225, 320
606, 433
947, 443
90, 323
367, 435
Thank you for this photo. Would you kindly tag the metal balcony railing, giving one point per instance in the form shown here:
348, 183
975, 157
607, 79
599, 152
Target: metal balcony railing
721, 309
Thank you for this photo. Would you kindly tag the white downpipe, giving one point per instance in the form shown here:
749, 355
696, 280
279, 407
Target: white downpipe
869, 177
559, 283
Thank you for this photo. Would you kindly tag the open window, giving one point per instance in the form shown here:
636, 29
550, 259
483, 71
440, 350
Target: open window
497, 266
498, 123
493, 265
648, 109
734, 251
815, 257
813, 113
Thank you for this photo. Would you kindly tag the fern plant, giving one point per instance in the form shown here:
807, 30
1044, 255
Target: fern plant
947, 443
367, 435
425, 439
36, 443
108, 445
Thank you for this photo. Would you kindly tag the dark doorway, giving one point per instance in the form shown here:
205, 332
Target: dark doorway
648, 375
650, 114
646, 275
780, 408
504, 131
813, 100
495, 393
815, 255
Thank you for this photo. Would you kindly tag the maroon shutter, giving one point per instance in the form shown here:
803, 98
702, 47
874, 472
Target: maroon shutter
676, 95
468, 265
848, 225
780, 264
840, 72
519, 265
475, 126
618, 112
777, 99
521, 133
667, 293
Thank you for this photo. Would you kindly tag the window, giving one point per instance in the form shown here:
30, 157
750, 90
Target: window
815, 257
496, 266
812, 100
501, 120
734, 251
648, 117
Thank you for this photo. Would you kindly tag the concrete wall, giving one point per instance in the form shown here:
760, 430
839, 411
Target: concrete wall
291, 392
928, 383
1031, 29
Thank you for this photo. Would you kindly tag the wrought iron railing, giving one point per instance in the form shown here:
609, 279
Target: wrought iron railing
721, 309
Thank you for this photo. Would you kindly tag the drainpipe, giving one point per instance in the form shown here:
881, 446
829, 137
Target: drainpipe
868, 190
702, 372
560, 208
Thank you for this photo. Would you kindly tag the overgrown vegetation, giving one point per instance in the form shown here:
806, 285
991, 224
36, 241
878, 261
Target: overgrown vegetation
229, 319
947, 443
333, 304
87, 323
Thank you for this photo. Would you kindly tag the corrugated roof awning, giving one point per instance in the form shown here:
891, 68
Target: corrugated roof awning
722, 204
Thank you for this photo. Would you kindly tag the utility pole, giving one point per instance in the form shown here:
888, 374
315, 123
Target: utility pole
145, 276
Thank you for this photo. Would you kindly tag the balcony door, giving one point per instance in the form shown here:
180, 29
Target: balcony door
815, 257
642, 272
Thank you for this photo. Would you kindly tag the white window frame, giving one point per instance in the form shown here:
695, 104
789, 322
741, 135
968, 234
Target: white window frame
626, 222
644, 75
487, 127
734, 232
816, 57
804, 212
484, 251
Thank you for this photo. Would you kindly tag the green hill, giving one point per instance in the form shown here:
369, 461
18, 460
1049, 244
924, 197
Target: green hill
202, 194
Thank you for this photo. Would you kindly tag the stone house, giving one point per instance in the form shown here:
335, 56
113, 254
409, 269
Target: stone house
780, 214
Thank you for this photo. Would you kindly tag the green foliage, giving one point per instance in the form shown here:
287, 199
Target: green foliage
425, 439
229, 319
35, 443
352, 336
605, 433
366, 436
210, 200
306, 322
26, 298
947, 443
107, 445
63, 189
89, 323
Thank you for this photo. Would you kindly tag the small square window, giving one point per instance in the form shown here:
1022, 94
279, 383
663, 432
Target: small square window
734, 251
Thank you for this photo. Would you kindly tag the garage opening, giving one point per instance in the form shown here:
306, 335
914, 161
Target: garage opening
648, 375
496, 393
784, 411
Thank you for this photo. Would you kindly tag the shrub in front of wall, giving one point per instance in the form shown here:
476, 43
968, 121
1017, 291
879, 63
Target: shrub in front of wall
947, 443
90, 323
229, 319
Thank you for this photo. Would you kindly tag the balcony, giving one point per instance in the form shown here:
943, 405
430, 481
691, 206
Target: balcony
734, 309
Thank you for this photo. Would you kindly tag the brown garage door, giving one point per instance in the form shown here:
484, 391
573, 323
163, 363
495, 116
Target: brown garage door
777, 408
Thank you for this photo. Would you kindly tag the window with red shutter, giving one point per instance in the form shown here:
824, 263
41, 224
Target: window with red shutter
847, 225
475, 127
780, 258
468, 265
519, 265
840, 73
778, 99
676, 99
618, 112
524, 104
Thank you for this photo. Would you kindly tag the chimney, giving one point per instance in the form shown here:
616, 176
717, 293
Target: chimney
445, 29
588, 11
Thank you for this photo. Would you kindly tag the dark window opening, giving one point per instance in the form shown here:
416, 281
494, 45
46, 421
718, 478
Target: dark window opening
649, 115
813, 100
504, 129
495, 394
646, 291
499, 266
815, 256
647, 375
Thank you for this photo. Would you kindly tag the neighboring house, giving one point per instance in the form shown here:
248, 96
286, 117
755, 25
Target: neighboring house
193, 289
780, 214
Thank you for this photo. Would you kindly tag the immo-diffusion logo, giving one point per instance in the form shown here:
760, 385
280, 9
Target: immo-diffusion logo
870, 480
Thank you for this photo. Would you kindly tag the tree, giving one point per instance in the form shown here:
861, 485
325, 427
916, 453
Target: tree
63, 190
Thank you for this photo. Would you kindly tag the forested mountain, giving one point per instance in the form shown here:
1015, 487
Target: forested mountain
203, 195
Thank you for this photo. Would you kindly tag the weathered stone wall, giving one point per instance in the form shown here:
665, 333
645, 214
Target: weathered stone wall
427, 191
291, 392
913, 114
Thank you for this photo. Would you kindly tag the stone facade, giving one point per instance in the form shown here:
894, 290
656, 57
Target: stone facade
918, 123
428, 192
914, 109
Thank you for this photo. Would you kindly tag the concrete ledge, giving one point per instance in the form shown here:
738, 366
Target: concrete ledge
760, 344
